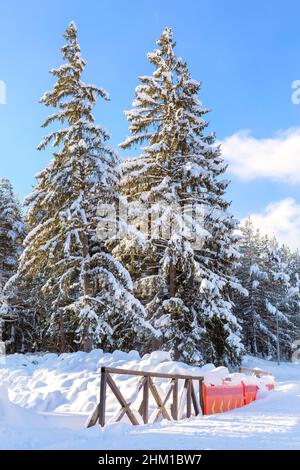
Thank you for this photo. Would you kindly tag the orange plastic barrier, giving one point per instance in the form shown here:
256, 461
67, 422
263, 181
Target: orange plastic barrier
270, 387
220, 398
250, 392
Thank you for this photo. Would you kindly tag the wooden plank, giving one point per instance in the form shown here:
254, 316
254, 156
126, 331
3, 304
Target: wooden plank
125, 406
102, 404
182, 401
188, 398
168, 394
194, 399
117, 418
159, 401
174, 406
121, 412
201, 395
141, 407
145, 411
94, 417
151, 374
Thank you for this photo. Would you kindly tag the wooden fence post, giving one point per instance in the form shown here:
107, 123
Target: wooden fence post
188, 398
201, 395
174, 408
145, 411
102, 404
194, 399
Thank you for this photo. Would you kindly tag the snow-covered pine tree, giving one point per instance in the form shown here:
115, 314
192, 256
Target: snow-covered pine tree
186, 290
12, 232
87, 293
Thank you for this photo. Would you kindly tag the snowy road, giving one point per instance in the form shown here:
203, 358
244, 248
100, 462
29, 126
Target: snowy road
273, 422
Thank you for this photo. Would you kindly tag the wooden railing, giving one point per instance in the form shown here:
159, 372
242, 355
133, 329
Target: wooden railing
188, 397
257, 372
189, 400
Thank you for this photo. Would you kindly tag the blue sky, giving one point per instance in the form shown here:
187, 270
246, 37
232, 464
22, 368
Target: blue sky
246, 54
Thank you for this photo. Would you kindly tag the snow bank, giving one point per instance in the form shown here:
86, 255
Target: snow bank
69, 383
271, 423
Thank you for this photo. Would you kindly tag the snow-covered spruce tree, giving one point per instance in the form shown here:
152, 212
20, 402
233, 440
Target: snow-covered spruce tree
186, 289
86, 291
265, 271
277, 292
12, 232
249, 308
23, 302
293, 259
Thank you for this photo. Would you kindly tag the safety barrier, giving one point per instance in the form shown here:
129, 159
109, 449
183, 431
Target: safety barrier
220, 398
250, 393
225, 397
270, 387
260, 374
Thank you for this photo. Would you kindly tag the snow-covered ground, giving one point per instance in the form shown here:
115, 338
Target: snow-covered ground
45, 401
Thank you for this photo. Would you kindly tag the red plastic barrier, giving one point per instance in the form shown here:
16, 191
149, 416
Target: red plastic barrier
270, 386
250, 393
220, 398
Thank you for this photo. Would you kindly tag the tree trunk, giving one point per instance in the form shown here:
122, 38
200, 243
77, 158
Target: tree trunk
172, 293
62, 336
87, 341
172, 280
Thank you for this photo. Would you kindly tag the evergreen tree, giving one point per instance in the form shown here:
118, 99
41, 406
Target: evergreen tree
268, 313
293, 260
12, 232
252, 276
278, 298
86, 292
183, 268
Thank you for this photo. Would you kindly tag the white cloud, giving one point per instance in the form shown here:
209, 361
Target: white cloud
276, 158
282, 219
